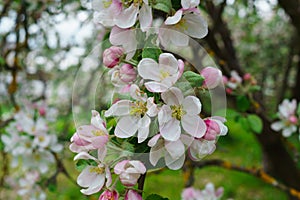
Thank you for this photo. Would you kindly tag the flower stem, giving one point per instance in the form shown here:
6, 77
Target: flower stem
132, 62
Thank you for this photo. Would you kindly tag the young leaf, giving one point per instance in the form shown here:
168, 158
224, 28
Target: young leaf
163, 5
155, 197
255, 123
196, 80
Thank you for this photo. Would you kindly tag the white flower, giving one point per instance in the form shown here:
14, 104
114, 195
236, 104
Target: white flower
163, 74
179, 110
134, 115
172, 151
106, 11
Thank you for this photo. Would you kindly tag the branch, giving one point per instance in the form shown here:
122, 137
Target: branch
141, 183
259, 173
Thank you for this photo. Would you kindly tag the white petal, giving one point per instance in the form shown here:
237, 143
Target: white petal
170, 130
175, 149
156, 87
84, 156
174, 19
152, 109
127, 17
153, 141
164, 115
174, 164
143, 131
145, 17
168, 62
120, 108
148, 69
196, 26
277, 126
96, 120
189, 3
156, 153
173, 96
193, 125
126, 127
287, 132
95, 185
192, 105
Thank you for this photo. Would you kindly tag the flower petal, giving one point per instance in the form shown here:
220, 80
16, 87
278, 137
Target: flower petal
145, 17
156, 87
174, 164
195, 26
173, 96
168, 62
120, 108
193, 125
126, 127
175, 149
192, 105
127, 17
170, 130
277, 126
174, 19
148, 69
143, 130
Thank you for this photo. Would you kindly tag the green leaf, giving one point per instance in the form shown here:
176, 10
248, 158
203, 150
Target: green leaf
196, 80
243, 104
244, 123
155, 197
81, 164
163, 5
150, 49
176, 4
255, 123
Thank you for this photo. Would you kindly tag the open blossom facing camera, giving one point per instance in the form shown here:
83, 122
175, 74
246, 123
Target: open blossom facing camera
162, 75
180, 111
289, 122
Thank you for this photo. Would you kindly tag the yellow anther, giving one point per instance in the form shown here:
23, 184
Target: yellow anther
177, 112
98, 170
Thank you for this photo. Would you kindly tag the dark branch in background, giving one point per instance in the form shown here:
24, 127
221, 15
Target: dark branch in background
141, 183
259, 173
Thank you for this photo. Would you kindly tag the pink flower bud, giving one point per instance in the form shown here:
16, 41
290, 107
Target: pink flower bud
229, 91
111, 56
212, 130
132, 195
129, 171
109, 195
213, 77
247, 77
293, 119
42, 111
127, 73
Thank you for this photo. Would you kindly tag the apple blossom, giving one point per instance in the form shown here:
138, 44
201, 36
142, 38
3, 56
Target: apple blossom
215, 126
109, 195
184, 23
111, 56
132, 195
89, 137
92, 178
179, 110
129, 171
209, 193
106, 11
163, 74
134, 115
127, 73
190, 193
201, 148
288, 121
212, 77
172, 151
131, 11
234, 81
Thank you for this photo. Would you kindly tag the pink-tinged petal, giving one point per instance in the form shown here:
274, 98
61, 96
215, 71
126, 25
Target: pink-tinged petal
173, 96
126, 127
168, 63
143, 130
193, 125
100, 141
174, 164
120, 108
132, 195
153, 141
138, 166
175, 149
152, 109
85, 177
288, 131
213, 77
156, 153
97, 121
78, 140
186, 4
148, 69
84, 156
107, 194
156, 87
127, 17
174, 19
190, 194
192, 105
195, 26
277, 126
170, 130
145, 17
180, 68
120, 167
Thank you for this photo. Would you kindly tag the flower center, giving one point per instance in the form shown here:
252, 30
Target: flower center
138, 108
98, 133
164, 74
177, 112
127, 3
107, 3
41, 138
98, 170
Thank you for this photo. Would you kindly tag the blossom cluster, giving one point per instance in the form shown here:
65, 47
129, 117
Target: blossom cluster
208, 192
152, 119
31, 145
237, 85
289, 118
